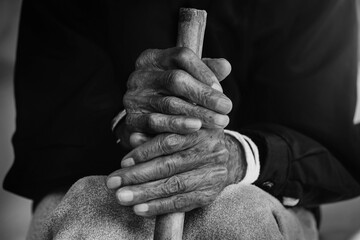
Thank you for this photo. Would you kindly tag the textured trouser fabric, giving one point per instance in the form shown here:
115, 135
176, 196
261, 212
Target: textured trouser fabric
90, 211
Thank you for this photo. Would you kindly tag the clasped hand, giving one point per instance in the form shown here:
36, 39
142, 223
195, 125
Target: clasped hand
176, 113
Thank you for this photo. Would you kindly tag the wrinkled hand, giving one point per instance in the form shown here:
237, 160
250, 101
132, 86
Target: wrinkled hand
174, 91
177, 173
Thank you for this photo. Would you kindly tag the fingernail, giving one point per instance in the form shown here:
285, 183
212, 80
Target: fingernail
125, 196
192, 123
224, 105
141, 208
221, 120
113, 182
127, 162
217, 86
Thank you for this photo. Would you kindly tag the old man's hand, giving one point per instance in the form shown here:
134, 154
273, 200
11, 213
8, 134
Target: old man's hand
174, 91
172, 172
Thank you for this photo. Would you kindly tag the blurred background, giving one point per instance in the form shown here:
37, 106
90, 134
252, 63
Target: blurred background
340, 221
14, 211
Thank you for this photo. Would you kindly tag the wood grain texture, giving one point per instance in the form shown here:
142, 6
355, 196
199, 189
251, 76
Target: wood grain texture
191, 30
169, 226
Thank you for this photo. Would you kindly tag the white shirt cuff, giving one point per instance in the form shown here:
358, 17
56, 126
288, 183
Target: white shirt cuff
251, 155
116, 120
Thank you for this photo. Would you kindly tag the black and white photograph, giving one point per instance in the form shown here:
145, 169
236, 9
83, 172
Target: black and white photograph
180, 120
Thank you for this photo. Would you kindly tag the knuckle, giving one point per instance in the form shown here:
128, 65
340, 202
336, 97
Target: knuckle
175, 123
131, 82
183, 54
137, 79
172, 105
181, 202
174, 185
140, 79
166, 104
154, 104
169, 143
175, 77
145, 58
169, 167
128, 100
131, 177
206, 97
164, 206
153, 121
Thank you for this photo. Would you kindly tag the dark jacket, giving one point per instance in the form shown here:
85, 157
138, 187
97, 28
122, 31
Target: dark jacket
293, 87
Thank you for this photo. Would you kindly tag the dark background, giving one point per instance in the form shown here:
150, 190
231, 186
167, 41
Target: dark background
340, 221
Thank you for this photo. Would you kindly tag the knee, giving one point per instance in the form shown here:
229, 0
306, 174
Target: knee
240, 212
92, 188
90, 211
89, 184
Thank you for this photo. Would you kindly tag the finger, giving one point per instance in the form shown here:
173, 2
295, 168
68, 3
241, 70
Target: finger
177, 106
178, 203
129, 140
142, 78
176, 83
137, 138
160, 123
164, 144
179, 58
219, 66
123, 136
163, 167
184, 85
196, 180
131, 195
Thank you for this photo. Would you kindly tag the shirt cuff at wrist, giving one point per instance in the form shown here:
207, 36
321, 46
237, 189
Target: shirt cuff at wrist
251, 155
116, 120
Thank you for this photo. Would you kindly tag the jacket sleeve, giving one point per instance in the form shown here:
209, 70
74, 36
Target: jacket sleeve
304, 87
65, 98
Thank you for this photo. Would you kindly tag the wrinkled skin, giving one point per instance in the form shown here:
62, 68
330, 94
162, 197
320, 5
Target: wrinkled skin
176, 113
173, 90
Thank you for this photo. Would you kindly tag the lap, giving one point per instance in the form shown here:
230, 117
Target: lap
90, 211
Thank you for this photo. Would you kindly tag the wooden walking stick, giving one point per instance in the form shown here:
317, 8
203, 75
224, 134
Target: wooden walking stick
191, 31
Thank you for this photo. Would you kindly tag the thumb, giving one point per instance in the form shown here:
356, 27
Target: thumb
220, 66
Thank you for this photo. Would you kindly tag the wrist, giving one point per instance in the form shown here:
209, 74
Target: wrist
237, 164
251, 156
